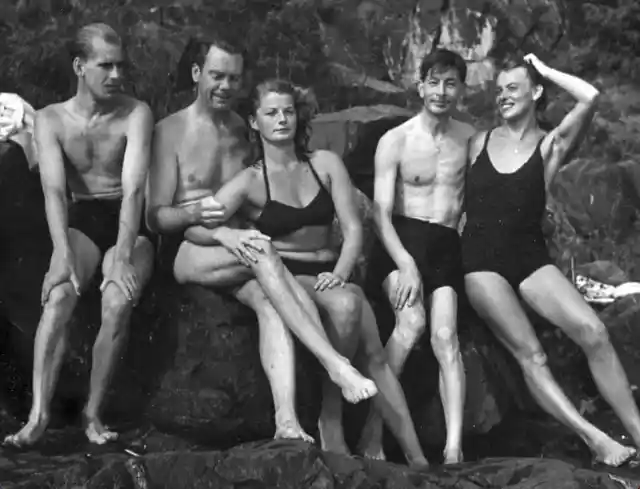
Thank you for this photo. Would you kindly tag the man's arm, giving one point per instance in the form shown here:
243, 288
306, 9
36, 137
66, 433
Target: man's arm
163, 183
343, 195
386, 171
53, 178
134, 177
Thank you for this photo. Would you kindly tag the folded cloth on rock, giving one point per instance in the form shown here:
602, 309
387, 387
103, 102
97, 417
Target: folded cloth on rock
600, 293
16, 124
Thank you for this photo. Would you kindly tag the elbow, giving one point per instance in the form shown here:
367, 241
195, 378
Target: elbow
152, 218
593, 97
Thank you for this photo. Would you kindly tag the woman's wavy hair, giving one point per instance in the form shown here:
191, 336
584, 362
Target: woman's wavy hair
516, 61
306, 107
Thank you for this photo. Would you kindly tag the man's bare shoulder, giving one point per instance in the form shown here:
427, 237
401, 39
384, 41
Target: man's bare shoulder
464, 129
396, 136
171, 128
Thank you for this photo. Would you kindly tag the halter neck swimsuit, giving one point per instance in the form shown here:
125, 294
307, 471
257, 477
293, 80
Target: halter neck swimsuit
278, 220
503, 232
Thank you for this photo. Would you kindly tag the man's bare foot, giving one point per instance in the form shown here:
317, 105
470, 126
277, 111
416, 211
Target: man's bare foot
609, 452
332, 437
98, 433
355, 387
453, 456
419, 463
291, 430
374, 453
28, 435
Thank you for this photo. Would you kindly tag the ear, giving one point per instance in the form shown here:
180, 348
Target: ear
253, 124
537, 92
78, 66
421, 89
195, 73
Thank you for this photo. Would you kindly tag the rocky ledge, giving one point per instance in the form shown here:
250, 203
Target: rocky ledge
289, 464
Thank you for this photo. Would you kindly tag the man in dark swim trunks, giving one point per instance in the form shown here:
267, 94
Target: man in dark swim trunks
419, 179
196, 151
97, 146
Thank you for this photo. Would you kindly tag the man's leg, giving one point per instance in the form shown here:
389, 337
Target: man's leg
116, 312
444, 341
51, 339
278, 360
496, 303
391, 402
340, 308
410, 324
552, 296
202, 265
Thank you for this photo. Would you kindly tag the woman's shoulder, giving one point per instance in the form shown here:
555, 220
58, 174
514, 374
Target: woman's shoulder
325, 159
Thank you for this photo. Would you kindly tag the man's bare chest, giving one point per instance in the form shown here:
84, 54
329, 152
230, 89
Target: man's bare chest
94, 149
208, 162
424, 164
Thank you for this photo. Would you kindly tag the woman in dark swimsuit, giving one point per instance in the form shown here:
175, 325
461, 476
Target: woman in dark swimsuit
505, 254
293, 196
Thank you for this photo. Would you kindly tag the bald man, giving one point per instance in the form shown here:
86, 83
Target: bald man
97, 145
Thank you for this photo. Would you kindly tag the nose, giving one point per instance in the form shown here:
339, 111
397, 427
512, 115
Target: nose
115, 73
281, 117
225, 84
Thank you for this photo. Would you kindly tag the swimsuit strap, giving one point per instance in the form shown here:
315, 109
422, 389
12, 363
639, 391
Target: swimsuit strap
266, 179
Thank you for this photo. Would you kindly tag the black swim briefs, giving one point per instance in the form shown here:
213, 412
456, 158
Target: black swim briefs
99, 220
435, 248
312, 268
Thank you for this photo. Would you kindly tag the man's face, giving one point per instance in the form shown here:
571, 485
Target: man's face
516, 94
440, 90
103, 70
220, 78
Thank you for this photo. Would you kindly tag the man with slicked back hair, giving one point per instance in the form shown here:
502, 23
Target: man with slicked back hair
96, 145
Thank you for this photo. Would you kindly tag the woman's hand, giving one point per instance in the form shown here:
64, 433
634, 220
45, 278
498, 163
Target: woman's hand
328, 280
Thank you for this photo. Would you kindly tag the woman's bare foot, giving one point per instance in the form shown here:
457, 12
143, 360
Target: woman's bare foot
610, 452
29, 434
355, 387
291, 430
98, 433
332, 437
453, 456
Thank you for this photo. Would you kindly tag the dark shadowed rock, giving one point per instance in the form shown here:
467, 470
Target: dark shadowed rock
296, 465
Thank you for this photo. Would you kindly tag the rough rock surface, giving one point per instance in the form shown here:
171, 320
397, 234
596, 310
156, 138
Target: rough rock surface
287, 464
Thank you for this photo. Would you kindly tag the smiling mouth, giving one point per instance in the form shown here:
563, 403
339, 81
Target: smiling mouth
506, 105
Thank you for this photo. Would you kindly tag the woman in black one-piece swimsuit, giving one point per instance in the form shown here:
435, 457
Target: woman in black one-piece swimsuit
505, 255
293, 195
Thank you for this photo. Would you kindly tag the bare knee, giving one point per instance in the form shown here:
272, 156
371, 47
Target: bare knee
445, 344
410, 324
62, 296
531, 360
345, 309
593, 336
115, 304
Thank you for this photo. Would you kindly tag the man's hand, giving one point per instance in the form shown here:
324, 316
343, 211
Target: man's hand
242, 243
328, 280
206, 212
533, 60
123, 275
409, 286
62, 270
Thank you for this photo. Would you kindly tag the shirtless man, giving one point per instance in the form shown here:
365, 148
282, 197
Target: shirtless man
419, 181
197, 150
97, 145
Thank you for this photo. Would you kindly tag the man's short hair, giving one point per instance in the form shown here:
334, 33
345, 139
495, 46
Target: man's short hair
196, 50
442, 60
81, 46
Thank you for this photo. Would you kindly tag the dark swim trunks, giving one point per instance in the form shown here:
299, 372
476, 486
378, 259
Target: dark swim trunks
313, 268
435, 249
99, 220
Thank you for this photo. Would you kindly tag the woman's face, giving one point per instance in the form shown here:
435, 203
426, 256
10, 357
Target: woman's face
516, 94
275, 117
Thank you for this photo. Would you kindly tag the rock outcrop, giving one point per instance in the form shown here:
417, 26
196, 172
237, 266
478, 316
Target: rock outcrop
292, 465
